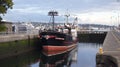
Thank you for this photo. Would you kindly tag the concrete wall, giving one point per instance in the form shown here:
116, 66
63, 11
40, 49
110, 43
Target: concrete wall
11, 45
13, 37
91, 37
105, 61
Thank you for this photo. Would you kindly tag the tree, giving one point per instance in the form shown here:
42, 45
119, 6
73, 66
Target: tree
4, 6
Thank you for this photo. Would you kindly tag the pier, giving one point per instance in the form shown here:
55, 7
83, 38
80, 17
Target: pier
111, 51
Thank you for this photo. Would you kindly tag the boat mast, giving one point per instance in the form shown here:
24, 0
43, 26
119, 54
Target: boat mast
67, 15
67, 25
52, 14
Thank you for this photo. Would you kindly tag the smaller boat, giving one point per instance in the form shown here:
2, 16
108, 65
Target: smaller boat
56, 42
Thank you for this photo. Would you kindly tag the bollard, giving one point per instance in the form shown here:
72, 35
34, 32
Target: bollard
100, 50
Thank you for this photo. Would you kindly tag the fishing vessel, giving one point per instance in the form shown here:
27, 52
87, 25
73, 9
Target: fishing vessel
58, 40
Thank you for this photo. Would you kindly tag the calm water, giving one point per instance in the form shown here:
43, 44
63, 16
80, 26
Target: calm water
83, 56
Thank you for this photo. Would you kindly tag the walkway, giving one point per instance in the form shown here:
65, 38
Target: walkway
111, 45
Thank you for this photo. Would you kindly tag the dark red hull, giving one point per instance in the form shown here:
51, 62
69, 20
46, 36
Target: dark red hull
54, 43
55, 50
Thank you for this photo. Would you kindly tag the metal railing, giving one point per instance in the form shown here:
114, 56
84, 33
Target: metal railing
31, 32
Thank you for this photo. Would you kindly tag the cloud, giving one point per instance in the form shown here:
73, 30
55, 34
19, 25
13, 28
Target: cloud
102, 17
29, 10
89, 11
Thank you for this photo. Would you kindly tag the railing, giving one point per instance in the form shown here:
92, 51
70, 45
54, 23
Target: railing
96, 32
34, 32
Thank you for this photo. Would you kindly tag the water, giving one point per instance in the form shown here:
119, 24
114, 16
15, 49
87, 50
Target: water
83, 56
87, 54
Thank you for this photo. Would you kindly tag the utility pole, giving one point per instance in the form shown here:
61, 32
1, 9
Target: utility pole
118, 13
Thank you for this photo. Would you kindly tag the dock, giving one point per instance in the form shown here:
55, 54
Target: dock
111, 51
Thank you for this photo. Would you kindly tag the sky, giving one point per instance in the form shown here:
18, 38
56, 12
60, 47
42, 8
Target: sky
105, 12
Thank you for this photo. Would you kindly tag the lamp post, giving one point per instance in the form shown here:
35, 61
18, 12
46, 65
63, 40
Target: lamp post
118, 13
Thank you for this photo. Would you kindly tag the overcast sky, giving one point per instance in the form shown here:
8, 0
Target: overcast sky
88, 11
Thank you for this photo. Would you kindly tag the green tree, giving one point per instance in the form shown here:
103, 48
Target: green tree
4, 6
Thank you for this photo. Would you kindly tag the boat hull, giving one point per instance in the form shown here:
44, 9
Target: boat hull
54, 43
55, 50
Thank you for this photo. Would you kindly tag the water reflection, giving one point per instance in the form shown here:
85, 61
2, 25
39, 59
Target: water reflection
23, 60
82, 56
87, 54
61, 60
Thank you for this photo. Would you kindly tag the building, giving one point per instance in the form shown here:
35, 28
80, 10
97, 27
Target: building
23, 28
